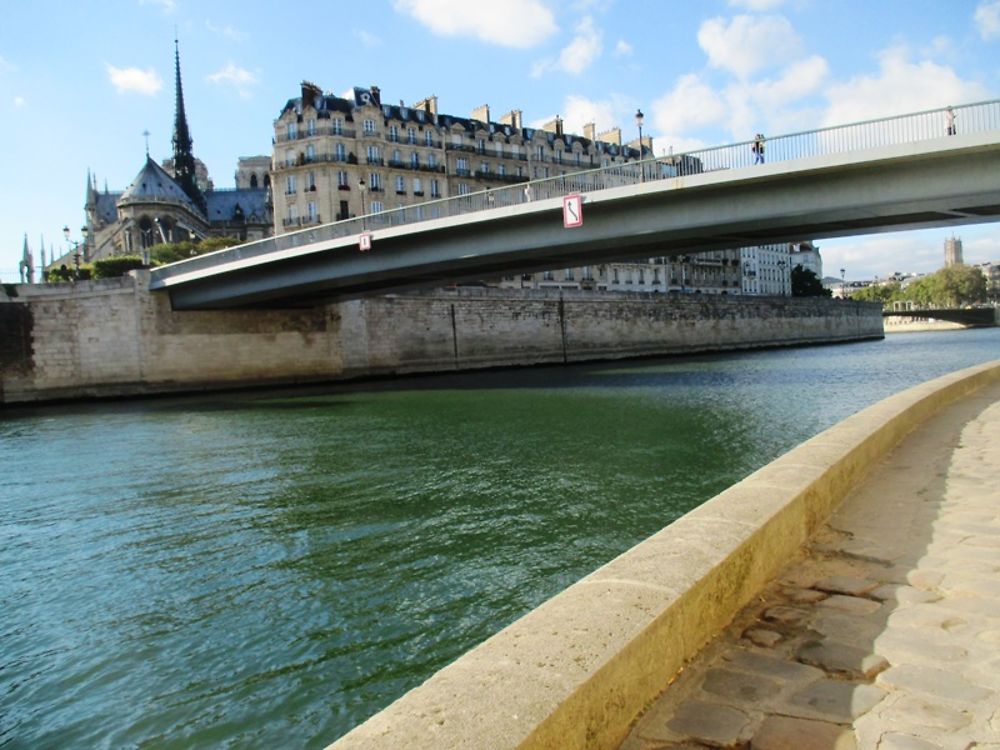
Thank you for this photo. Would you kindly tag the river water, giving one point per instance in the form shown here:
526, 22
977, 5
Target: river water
268, 569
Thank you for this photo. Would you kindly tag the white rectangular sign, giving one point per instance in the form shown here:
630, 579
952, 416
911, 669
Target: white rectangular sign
573, 210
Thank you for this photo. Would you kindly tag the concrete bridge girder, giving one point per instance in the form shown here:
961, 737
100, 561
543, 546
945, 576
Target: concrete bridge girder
947, 181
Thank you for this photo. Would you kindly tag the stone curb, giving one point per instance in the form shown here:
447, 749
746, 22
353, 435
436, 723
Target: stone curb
576, 671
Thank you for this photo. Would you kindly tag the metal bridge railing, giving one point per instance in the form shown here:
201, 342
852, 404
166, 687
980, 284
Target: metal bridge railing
859, 136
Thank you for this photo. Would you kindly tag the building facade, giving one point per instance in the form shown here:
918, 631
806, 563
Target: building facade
336, 158
952, 252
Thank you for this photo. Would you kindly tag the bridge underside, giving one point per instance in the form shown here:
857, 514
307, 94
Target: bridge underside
974, 317
945, 182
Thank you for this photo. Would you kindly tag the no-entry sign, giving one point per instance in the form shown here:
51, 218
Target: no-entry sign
573, 210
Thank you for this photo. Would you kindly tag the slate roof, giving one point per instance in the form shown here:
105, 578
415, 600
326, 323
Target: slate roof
154, 185
222, 204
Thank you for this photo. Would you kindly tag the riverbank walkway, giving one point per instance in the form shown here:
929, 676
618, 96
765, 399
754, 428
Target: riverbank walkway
884, 634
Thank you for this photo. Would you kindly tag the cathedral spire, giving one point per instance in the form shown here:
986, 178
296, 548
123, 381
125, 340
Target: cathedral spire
184, 167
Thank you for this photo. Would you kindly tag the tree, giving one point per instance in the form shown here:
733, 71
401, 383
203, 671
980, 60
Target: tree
950, 287
883, 293
806, 283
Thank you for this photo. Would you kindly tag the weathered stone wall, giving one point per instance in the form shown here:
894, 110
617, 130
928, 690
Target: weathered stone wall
108, 338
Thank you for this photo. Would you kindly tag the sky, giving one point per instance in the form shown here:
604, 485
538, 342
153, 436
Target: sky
81, 82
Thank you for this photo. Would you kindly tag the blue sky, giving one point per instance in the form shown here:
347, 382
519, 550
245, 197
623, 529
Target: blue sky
80, 82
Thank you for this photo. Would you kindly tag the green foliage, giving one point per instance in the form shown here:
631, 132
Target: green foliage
118, 265
171, 252
950, 287
806, 283
68, 273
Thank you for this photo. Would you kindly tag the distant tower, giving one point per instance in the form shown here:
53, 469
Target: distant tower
184, 166
952, 252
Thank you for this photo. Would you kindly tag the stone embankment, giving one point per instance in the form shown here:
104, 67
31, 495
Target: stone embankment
114, 338
755, 621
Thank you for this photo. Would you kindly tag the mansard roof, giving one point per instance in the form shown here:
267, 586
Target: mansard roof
252, 202
154, 185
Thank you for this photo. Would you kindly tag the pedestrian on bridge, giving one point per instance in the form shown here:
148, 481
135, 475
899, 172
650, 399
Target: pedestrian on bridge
758, 149
949, 119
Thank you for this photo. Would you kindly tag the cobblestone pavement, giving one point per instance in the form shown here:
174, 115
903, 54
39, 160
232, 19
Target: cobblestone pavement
885, 635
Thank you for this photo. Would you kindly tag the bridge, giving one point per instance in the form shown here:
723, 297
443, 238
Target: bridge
880, 175
974, 317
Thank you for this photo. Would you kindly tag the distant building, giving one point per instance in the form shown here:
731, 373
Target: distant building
992, 273
335, 157
767, 269
806, 254
952, 252
175, 201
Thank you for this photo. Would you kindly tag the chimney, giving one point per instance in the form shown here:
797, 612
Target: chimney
429, 105
310, 91
611, 136
482, 113
512, 118
590, 131
554, 126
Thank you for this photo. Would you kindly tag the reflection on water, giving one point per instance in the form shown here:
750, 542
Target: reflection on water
267, 569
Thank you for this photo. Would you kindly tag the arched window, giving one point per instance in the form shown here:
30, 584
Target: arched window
253, 180
147, 233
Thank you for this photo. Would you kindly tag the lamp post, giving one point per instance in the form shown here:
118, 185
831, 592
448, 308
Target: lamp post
362, 187
638, 121
843, 283
76, 245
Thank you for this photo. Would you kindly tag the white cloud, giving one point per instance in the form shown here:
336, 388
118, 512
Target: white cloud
521, 23
692, 104
19, 102
605, 114
900, 86
798, 80
749, 43
623, 48
756, 5
134, 80
227, 31
987, 19
239, 78
576, 56
368, 39
169, 6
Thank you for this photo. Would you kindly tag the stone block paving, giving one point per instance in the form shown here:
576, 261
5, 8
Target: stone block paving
885, 635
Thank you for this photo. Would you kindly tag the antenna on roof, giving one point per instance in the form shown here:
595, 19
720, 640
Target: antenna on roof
145, 134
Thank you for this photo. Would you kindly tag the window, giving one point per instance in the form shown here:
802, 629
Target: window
456, 140
342, 179
462, 166
311, 181
369, 127
310, 152
400, 184
428, 138
548, 276
415, 160
463, 189
501, 169
394, 133
559, 154
568, 274
432, 161
376, 207
481, 145
290, 185
313, 214
435, 189
484, 168
515, 151
339, 152
418, 188
374, 155
311, 127
411, 135
500, 150
540, 153
520, 171
375, 181
396, 156
293, 214
337, 126
289, 158
293, 131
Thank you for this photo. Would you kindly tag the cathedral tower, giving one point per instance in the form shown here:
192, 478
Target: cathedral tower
184, 166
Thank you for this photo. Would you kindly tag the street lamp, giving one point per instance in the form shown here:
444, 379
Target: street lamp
362, 187
76, 245
843, 283
638, 121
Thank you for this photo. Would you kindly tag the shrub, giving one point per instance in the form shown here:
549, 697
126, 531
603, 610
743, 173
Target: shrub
119, 265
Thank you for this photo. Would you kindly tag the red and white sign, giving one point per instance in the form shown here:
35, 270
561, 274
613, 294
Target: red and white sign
365, 241
573, 210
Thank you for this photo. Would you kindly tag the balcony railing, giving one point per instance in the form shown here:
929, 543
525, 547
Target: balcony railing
920, 126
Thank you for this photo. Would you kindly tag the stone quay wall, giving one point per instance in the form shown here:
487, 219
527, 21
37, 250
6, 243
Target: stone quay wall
113, 338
